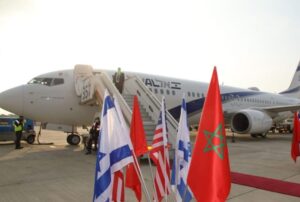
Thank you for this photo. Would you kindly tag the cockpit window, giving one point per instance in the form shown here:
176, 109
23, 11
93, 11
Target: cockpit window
58, 81
47, 81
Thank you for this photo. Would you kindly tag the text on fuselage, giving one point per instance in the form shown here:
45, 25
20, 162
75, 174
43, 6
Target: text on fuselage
162, 84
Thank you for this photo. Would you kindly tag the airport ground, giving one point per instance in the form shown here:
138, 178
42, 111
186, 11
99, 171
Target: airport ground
60, 172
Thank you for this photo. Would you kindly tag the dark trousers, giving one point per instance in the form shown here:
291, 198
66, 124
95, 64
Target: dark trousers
18, 139
92, 139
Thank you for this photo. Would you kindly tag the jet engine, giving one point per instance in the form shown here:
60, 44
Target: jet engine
251, 121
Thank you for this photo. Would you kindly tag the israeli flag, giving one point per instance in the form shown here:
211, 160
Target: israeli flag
182, 159
122, 121
114, 152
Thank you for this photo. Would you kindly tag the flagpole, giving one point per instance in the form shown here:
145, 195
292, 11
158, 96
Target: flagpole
140, 175
177, 167
151, 171
164, 144
169, 184
165, 174
176, 172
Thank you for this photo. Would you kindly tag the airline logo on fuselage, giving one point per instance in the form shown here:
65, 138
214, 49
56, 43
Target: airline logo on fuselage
162, 84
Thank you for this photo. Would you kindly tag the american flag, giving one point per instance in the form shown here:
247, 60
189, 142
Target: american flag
118, 187
160, 156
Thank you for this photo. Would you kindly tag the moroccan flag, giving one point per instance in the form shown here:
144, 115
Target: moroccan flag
209, 173
295, 149
137, 135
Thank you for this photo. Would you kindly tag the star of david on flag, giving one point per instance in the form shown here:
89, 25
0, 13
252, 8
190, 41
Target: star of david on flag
182, 158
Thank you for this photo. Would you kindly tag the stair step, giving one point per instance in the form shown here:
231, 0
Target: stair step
149, 124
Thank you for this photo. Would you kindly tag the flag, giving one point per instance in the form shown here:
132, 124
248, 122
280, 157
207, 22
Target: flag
182, 158
118, 187
114, 152
118, 177
160, 156
295, 148
137, 135
209, 173
121, 118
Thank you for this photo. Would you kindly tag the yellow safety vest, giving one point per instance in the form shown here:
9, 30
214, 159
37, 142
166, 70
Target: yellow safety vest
19, 127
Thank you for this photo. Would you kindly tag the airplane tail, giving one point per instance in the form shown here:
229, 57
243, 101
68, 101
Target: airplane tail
294, 89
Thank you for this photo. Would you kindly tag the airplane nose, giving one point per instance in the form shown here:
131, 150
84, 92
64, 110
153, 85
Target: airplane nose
12, 100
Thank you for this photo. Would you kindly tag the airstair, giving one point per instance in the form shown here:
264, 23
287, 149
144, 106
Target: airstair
90, 86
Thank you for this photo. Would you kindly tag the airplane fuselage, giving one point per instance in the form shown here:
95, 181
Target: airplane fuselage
55, 101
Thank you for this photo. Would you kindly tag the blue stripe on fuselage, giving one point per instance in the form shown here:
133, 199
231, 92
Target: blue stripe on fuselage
197, 105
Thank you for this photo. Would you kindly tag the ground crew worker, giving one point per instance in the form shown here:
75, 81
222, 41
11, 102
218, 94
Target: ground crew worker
18, 126
94, 134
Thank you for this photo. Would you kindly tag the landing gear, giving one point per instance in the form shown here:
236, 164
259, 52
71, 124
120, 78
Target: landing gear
233, 137
263, 135
73, 139
254, 135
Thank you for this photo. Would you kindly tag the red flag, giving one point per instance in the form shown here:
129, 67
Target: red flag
137, 135
295, 148
209, 173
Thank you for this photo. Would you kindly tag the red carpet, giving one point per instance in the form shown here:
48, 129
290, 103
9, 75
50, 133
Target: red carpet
268, 184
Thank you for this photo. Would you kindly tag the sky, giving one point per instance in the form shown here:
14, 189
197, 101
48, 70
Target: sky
252, 42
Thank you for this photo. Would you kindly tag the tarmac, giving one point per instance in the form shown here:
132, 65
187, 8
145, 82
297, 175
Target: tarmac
60, 172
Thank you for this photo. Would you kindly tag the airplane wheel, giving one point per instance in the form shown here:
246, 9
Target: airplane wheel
73, 139
69, 139
30, 139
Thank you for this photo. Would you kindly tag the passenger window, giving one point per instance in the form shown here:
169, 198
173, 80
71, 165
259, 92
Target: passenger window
168, 92
198, 94
162, 91
155, 91
189, 94
173, 92
193, 94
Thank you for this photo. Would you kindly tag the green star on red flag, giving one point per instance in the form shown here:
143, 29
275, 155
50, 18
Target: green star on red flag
216, 146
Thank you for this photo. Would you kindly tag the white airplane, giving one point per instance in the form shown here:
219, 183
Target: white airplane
52, 98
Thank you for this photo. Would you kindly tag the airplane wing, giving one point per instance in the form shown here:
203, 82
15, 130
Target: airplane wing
277, 109
271, 110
